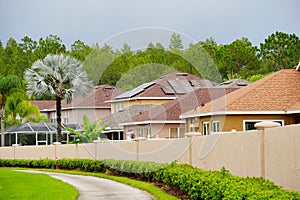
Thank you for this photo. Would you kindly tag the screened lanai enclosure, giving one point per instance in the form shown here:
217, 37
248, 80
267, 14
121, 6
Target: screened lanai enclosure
35, 134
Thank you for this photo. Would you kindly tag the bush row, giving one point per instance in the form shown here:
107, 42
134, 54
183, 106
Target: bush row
197, 183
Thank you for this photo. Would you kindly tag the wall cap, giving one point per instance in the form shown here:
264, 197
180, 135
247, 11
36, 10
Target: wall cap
56, 143
139, 139
190, 134
266, 124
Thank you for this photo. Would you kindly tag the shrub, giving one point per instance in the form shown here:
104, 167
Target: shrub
197, 183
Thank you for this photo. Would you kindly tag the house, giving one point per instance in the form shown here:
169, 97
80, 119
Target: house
113, 130
273, 98
160, 91
163, 120
94, 105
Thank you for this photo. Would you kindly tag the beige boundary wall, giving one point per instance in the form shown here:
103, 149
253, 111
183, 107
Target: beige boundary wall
273, 153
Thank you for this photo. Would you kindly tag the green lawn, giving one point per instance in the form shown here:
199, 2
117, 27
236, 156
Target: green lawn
21, 185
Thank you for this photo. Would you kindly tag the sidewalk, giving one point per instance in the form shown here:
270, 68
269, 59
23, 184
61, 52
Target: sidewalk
91, 188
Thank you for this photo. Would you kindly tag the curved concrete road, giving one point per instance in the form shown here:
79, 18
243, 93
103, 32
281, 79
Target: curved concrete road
91, 188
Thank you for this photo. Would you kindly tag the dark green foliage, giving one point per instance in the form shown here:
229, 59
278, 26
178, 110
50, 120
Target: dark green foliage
280, 51
197, 183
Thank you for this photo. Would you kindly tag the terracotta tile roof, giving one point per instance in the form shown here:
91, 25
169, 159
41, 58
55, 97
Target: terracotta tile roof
277, 92
43, 104
173, 109
96, 98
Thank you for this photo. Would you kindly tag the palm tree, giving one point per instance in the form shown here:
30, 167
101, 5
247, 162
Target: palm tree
8, 85
59, 76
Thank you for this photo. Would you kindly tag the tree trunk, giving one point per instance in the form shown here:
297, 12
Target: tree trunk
58, 119
2, 126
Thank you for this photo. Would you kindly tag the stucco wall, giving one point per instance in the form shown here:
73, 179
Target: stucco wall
241, 152
282, 155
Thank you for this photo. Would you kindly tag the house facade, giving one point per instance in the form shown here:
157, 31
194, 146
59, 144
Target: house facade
94, 105
273, 98
162, 121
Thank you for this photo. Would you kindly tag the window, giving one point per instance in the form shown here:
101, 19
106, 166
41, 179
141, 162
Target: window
205, 128
119, 106
140, 132
53, 117
148, 132
194, 125
66, 117
215, 126
249, 124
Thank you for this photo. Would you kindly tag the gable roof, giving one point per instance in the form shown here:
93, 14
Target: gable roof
97, 98
170, 111
43, 104
168, 86
277, 93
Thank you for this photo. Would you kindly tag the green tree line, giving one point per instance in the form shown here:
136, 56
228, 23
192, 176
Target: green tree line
125, 67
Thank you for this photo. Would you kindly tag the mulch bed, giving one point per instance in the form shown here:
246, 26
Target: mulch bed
172, 190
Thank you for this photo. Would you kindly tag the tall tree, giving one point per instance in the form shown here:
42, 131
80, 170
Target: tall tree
18, 107
238, 59
80, 50
279, 51
8, 85
97, 62
201, 62
51, 45
175, 42
59, 76
125, 48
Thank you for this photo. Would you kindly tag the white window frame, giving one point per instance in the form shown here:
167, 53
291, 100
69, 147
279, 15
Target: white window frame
206, 130
148, 132
261, 120
140, 132
53, 117
213, 130
66, 117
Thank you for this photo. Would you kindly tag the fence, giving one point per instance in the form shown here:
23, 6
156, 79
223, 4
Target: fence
273, 153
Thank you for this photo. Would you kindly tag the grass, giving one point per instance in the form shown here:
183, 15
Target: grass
149, 187
21, 185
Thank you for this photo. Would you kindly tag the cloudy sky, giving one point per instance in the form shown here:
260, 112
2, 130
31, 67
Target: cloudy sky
113, 21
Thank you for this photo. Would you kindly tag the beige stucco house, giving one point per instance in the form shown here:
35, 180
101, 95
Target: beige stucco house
273, 98
163, 120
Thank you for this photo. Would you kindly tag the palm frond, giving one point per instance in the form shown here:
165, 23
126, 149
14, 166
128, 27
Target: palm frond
57, 74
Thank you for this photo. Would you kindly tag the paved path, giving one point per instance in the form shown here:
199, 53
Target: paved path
91, 188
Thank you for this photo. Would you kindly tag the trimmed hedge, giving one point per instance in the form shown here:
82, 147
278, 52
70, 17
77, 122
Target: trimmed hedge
197, 183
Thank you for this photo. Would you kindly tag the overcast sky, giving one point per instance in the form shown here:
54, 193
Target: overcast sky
117, 20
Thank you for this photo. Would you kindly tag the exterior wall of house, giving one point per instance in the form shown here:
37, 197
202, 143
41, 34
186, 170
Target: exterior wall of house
229, 123
75, 116
156, 130
116, 106
148, 101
